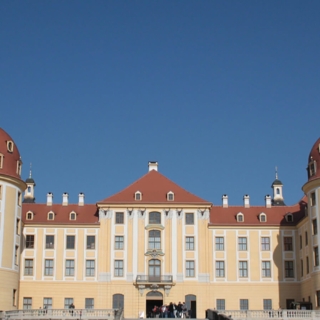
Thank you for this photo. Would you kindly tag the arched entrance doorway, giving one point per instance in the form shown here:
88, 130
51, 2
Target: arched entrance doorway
191, 304
154, 298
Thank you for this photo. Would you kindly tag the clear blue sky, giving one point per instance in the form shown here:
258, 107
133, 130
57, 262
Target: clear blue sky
218, 92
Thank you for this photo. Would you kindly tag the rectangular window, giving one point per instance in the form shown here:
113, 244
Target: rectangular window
119, 241
91, 242
265, 244
69, 268
313, 199
189, 218
244, 304
301, 267
48, 267
89, 303
287, 242
27, 303
243, 269
318, 298
219, 243
14, 297
18, 227
289, 272
70, 242
118, 268
266, 269
220, 269
49, 242
19, 198
47, 303
267, 304
119, 218
221, 304
30, 241
189, 243
316, 256
16, 255
307, 264
242, 243
306, 237
28, 267
90, 268
67, 302
300, 241
314, 227
190, 271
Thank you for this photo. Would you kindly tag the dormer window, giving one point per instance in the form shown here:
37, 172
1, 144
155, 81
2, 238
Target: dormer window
138, 196
10, 146
50, 215
29, 215
312, 168
19, 165
240, 217
263, 217
289, 217
72, 215
1, 160
170, 196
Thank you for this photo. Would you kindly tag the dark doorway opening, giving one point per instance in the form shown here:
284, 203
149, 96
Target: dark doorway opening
150, 305
191, 304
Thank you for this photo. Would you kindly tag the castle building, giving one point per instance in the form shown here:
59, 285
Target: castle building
154, 243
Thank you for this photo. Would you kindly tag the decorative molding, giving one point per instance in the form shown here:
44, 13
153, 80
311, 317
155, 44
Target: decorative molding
167, 290
130, 213
141, 289
167, 213
203, 214
154, 253
179, 213
105, 214
141, 213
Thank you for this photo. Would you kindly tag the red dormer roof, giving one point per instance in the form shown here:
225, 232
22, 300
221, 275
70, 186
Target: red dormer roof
154, 188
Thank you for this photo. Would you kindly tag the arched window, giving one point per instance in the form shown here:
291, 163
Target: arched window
118, 301
154, 239
29, 215
1, 160
263, 217
73, 216
138, 196
170, 196
50, 215
10, 145
154, 270
289, 217
240, 217
154, 218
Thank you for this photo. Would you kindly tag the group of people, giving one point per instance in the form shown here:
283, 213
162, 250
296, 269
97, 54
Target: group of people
172, 310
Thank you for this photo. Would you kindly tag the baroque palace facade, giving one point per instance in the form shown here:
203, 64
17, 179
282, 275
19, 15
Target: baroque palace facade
154, 243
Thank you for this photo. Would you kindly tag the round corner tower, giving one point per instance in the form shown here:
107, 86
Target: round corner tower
11, 188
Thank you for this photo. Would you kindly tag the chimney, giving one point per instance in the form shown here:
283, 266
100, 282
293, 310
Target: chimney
81, 199
225, 201
153, 165
49, 198
65, 199
246, 201
268, 201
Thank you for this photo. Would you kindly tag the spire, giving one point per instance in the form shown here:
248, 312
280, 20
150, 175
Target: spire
30, 174
29, 193
276, 173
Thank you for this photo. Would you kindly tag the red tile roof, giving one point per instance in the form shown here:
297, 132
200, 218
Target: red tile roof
154, 188
86, 214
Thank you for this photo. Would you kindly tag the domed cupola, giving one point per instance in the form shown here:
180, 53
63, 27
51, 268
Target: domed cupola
277, 192
314, 162
29, 192
10, 160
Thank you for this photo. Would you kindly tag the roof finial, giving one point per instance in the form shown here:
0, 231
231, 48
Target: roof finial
30, 173
276, 172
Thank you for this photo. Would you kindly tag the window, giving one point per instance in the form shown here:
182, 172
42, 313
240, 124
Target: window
263, 217
265, 244
0, 184
10, 145
28, 267
221, 304
289, 217
118, 268
1, 160
49, 242
266, 269
243, 269
118, 244
14, 297
138, 196
306, 237
189, 243
240, 217
18, 227
287, 241
89, 303
316, 256
219, 243
69, 268
244, 304
67, 302
19, 198
48, 267
19, 166
242, 244
170, 196
154, 239
318, 298
301, 267
50, 216
91, 242
300, 241
312, 168
29, 241
307, 264
117, 301
119, 218
267, 304
47, 303
189, 218
313, 199
16, 255
73, 216
314, 227
27, 303
289, 272
220, 269
90, 268
29, 215
154, 218
70, 242
190, 268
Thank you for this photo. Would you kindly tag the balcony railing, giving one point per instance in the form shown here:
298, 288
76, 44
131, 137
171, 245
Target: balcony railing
154, 279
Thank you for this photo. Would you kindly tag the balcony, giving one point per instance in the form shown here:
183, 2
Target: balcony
154, 279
